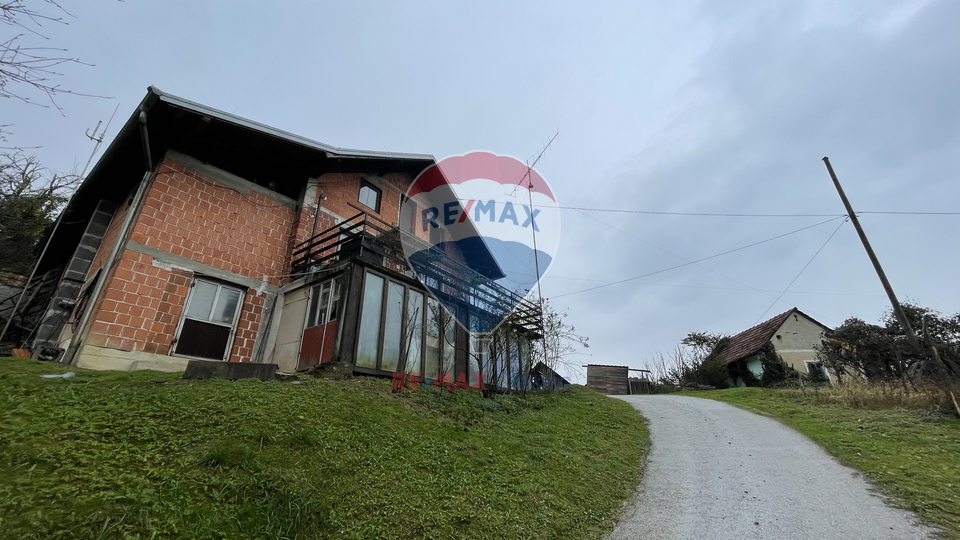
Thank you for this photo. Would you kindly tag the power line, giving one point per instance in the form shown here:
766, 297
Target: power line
801, 271
675, 255
704, 214
745, 288
729, 214
700, 260
915, 213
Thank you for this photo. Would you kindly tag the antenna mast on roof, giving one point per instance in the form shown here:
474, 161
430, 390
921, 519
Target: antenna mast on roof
97, 138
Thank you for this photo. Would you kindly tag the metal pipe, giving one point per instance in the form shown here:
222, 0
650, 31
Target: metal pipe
145, 140
316, 215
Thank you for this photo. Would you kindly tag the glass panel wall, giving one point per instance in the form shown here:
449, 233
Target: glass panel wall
449, 346
524, 351
414, 334
369, 339
393, 327
324, 303
431, 361
478, 356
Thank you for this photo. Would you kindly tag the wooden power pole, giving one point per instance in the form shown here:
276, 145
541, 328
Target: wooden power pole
897, 309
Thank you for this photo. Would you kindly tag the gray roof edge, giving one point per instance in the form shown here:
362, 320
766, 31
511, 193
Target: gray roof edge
279, 133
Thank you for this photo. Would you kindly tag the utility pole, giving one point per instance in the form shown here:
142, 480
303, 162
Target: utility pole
897, 309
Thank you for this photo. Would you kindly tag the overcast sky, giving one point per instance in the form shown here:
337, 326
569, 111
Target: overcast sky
664, 107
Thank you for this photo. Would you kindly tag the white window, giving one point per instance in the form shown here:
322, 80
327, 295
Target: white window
325, 303
209, 320
370, 196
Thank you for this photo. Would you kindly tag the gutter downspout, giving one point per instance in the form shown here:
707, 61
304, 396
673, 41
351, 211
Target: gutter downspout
80, 335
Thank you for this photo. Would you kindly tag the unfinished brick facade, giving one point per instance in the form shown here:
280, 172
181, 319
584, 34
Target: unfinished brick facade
189, 215
343, 189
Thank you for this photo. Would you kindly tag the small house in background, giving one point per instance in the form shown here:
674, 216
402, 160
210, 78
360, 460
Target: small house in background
793, 335
616, 380
546, 378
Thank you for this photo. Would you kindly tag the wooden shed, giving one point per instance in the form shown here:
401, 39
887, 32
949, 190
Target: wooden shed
611, 380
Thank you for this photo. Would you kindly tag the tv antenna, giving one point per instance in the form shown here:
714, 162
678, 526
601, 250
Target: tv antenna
530, 166
98, 138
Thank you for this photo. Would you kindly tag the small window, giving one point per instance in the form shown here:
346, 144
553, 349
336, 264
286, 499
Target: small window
325, 303
210, 320
370, 196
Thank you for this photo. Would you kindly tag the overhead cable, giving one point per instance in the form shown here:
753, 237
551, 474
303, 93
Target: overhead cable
801, 271
700, 260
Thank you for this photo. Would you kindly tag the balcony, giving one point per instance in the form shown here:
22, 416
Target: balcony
374, 241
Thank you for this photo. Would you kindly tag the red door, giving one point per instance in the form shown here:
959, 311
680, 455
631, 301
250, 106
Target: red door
316, 346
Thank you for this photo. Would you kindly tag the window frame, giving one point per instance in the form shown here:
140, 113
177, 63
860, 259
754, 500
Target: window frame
817, 364
333, 302
379, 193
231, 337
381, 335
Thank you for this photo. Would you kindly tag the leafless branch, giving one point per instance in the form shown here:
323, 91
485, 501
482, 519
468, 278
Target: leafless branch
26, 68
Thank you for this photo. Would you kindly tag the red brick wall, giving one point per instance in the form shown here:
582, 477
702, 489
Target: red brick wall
340, 190
126, 316
190, 215
143, 305
344, 188
247, 326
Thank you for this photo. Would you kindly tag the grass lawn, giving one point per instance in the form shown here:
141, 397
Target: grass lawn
912, 455
148, 455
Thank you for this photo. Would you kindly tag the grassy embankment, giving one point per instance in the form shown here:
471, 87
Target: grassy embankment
906, 448
149, 455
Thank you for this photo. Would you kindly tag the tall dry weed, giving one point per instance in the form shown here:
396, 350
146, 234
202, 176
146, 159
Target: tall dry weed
881, 395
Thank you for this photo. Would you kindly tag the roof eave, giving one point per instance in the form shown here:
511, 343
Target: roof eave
335, 151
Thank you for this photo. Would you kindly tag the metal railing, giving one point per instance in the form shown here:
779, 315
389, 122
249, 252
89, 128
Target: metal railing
345, 240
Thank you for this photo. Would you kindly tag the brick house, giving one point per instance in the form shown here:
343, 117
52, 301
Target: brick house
204, 235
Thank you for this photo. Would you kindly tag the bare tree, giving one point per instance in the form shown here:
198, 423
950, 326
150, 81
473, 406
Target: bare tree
560, 341
26, 70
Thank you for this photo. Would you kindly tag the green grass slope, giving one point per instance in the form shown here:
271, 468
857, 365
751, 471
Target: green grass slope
911, 454
148, 455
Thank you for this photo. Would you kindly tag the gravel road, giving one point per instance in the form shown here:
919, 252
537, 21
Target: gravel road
715, 472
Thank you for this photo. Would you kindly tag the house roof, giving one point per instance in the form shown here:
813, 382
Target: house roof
278, 133
606, 365
544, 371
753, 339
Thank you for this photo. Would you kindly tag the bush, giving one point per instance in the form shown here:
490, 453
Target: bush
713, 371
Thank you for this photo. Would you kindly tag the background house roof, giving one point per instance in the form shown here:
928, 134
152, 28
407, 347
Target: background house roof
753, 339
